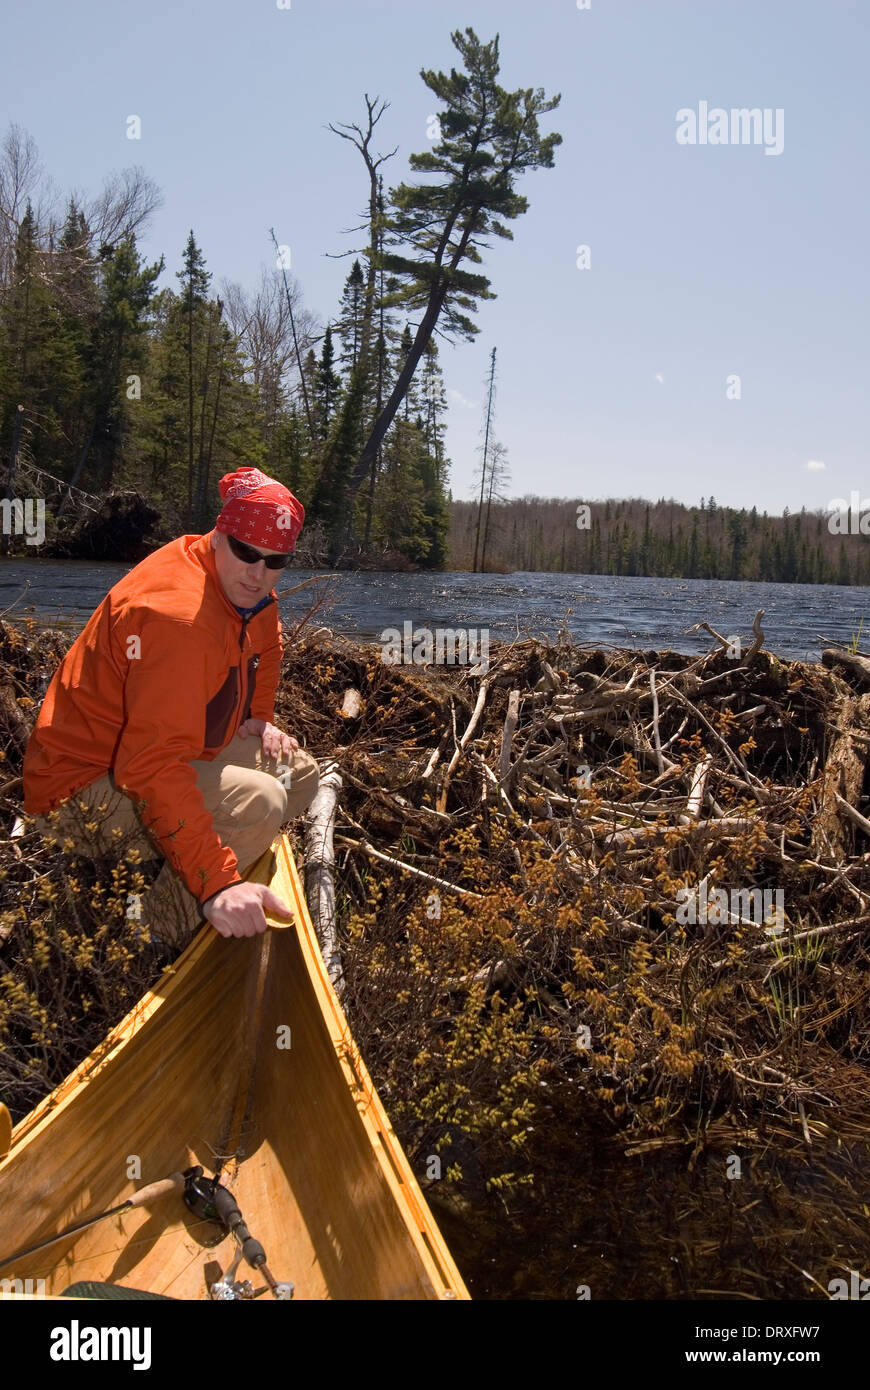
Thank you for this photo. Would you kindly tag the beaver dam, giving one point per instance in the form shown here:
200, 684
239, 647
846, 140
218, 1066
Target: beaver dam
603, 919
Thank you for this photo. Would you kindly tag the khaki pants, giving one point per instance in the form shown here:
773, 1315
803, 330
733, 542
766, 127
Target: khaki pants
248, 806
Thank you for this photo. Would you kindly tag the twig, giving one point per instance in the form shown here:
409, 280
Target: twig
365, 848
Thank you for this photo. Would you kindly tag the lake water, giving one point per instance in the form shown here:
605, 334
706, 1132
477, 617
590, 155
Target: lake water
596, 609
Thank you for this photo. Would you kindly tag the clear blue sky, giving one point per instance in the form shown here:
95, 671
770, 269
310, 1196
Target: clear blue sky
706, 260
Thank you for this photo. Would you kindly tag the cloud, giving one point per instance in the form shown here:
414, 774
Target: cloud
815, 465
458, 399
659, 378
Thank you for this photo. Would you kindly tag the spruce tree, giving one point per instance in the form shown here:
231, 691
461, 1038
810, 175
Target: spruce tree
350, 316
327, 385
44, 370
194, 280
117, 349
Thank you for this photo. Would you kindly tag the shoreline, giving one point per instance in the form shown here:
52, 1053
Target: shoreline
858, 661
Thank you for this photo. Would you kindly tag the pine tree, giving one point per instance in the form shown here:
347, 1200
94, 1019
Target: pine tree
488, 137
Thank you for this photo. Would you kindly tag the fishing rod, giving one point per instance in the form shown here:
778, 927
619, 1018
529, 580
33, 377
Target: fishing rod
174, 1183
208, 1199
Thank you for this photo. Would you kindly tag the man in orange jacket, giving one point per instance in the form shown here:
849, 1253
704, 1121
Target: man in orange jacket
160, 718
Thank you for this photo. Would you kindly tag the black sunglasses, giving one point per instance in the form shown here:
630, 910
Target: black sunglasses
250, 556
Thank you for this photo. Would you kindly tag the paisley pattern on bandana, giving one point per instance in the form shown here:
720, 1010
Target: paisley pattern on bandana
260, 510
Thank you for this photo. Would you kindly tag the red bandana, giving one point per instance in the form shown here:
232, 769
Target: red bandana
260, 510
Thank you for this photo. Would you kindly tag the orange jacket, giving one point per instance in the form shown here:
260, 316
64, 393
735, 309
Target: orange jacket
163, 674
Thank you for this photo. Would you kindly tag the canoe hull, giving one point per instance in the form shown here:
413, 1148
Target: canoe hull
241, 1057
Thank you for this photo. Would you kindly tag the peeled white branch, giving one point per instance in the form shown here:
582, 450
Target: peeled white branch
319, 866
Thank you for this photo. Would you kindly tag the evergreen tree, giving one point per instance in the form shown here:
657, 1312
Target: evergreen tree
351, 316
195, 280
327, 385
117, 349
488, 137
332, 502
737, 533
44, 371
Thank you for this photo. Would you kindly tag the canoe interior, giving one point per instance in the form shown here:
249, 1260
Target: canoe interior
197, 1073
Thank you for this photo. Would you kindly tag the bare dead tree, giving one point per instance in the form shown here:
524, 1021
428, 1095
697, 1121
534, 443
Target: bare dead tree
485, 463
499, 474
362, 141
20, 175
261, 322
122, 208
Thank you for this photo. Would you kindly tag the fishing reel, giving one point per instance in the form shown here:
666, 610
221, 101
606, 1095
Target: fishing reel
199, 1194
208, 1199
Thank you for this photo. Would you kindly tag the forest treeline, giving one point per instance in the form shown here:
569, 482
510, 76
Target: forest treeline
109, 384
664, 538
126, 388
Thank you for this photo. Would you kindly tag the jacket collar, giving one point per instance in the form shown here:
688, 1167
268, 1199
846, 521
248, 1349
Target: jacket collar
202, 550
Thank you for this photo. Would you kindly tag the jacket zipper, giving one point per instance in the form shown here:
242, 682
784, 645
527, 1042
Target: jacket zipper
243, 675
243, 679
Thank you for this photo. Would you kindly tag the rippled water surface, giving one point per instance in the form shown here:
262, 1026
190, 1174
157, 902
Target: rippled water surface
596, 609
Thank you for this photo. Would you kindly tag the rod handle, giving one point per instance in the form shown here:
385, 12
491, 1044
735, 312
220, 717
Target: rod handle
154, 1190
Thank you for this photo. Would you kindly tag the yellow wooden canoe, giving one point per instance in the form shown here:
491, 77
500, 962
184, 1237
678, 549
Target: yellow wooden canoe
200, 1072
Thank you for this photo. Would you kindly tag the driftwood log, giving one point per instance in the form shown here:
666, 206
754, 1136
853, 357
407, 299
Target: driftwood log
857, 666
843, 776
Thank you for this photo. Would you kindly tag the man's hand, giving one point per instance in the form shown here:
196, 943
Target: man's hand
275, 744
238, 909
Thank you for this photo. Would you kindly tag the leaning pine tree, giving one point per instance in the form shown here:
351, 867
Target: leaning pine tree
488, 137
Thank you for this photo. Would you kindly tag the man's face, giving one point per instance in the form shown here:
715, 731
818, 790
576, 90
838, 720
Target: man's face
243, 584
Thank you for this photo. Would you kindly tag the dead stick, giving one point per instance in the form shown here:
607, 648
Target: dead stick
507, 736
759, 637
441, 803
656, 736
696, 791
849, 810
365, 848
